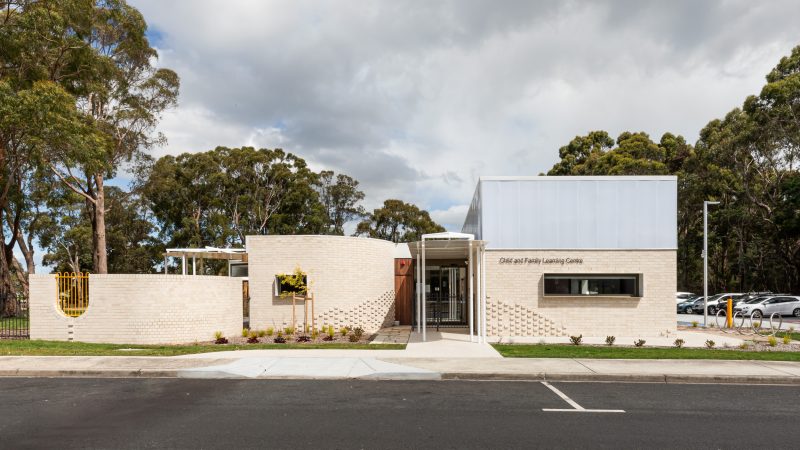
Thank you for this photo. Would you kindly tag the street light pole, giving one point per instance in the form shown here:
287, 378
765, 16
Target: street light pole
705, 260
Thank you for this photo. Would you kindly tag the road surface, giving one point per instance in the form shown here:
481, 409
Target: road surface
181, 413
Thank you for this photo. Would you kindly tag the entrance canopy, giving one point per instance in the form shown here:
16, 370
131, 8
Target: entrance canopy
451, 246
446, 245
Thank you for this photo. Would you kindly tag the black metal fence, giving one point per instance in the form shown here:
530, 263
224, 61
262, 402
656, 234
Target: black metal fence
14, 317
445, 310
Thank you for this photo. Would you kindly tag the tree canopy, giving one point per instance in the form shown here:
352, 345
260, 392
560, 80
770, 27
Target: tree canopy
747, 161
397, 221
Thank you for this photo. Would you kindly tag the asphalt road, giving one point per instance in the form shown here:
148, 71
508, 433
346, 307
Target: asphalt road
177, 413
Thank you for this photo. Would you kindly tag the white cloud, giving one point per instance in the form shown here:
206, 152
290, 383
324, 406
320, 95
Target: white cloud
418, 99
451, 218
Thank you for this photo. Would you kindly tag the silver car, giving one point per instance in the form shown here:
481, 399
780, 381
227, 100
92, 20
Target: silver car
784, 305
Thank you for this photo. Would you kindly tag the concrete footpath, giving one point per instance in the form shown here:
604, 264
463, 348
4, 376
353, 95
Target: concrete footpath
444, 356
345, 367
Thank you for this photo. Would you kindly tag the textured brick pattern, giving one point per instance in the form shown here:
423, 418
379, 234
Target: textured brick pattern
505, 319
523, 285
141, 309
371, 315
352, 279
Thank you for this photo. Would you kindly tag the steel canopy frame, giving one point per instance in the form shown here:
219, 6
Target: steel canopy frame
229, 254
475, 253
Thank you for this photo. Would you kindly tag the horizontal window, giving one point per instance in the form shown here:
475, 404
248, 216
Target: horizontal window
579, 285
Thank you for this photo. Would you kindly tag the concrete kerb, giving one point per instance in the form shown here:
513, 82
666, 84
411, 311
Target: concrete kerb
466, 376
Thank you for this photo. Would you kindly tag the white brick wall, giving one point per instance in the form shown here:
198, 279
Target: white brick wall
352, 279
523, 284
140, 309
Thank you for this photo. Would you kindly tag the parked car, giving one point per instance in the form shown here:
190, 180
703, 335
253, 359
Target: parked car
686, 306
714, 302
681, 297
766, 306
694, 305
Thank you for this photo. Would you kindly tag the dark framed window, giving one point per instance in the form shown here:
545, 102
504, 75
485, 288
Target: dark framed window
623, 285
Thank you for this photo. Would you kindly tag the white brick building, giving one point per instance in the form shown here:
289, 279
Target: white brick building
537, 256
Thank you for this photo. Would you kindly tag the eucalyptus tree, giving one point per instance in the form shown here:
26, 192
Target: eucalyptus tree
341, 199
122, 94
220, 196
397, 221
97, 52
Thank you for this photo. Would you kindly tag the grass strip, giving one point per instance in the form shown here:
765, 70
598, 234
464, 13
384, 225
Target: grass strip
598, 352
793, 335
58, 348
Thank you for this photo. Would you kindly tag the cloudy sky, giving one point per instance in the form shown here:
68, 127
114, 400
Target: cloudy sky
417, 99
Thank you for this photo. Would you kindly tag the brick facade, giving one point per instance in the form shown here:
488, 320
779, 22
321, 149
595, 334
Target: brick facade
352, 280
140, 309
516, 305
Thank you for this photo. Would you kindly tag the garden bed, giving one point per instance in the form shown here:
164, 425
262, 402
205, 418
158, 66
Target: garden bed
780, 352
60, 348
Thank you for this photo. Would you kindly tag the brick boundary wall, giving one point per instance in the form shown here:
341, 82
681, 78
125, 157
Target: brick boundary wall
517, 307
352, 279
140, 309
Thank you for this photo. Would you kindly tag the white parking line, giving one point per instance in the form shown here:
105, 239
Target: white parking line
576, 407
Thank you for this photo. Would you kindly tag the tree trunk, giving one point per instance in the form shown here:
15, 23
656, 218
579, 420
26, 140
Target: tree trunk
8, 305
100, 255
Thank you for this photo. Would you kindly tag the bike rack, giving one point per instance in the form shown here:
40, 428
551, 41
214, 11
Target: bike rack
754, 327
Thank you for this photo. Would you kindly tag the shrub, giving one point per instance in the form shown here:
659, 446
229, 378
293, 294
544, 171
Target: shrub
279, 339
743, 346
245, 332
303, 338
314, 333
678, 343
328, 338
695, 324
292, 283
710, 343
610, 340
288, 331
331, 333
639, 343
262, 333
757, 324
787, 339
353, 338
270, 331
358, 332
772, 341
344, 331
219, 338
252, 337
576, 340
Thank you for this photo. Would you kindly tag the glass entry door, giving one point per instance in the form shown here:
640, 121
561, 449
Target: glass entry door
445, 295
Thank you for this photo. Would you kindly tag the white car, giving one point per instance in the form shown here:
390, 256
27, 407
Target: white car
714, 301
783, 305
681, 297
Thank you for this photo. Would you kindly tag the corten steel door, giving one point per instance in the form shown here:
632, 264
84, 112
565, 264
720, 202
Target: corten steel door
403, 290
245, 303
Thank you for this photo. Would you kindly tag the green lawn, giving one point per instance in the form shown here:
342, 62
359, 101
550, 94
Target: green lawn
597, 352
57, 348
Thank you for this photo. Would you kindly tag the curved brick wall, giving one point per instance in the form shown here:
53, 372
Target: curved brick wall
140, 309
352, 279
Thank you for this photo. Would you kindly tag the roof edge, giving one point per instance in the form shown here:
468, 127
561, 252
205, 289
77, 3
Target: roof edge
579, 177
